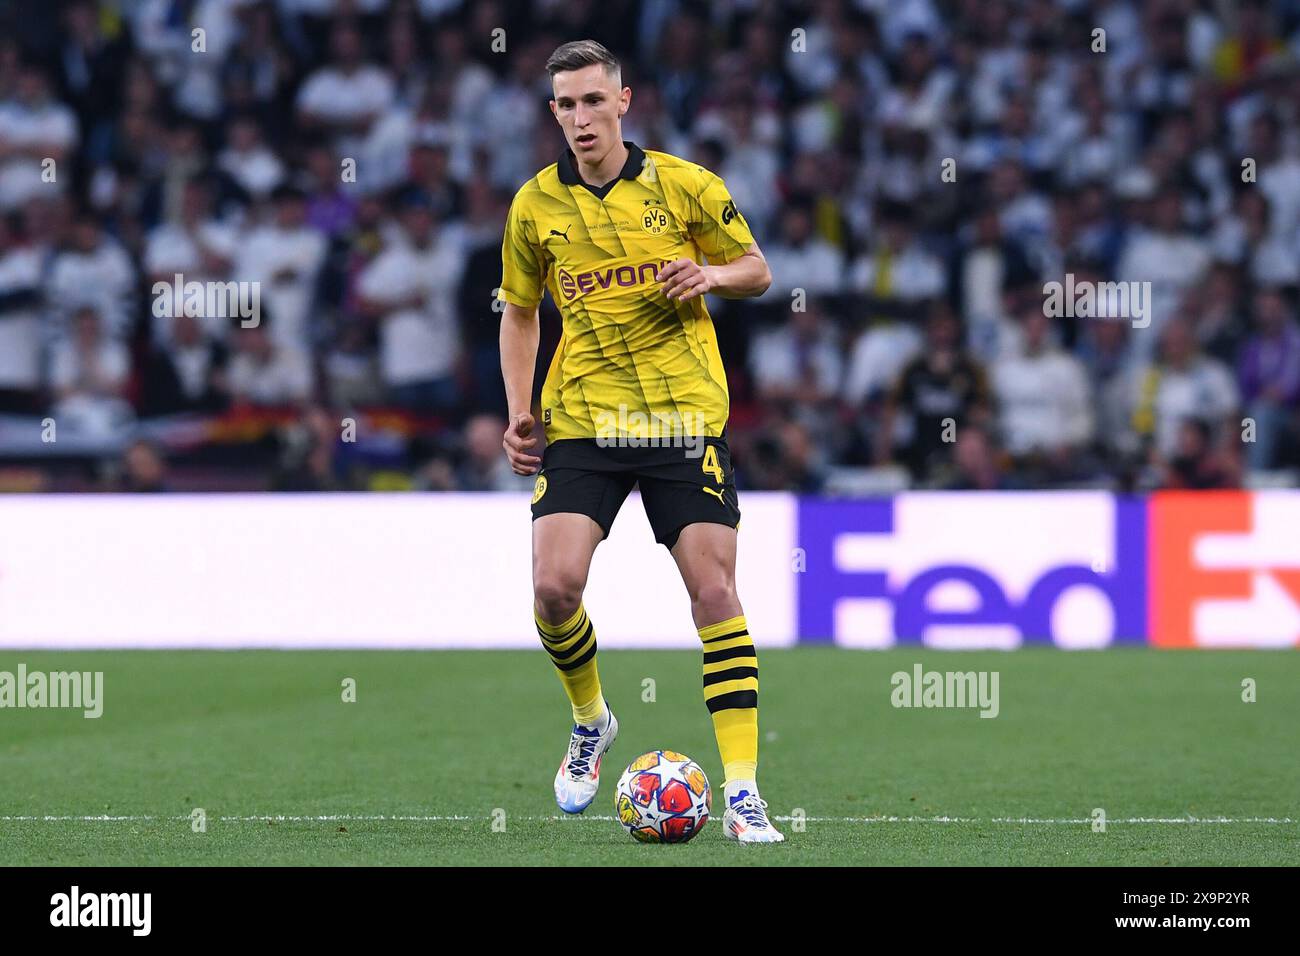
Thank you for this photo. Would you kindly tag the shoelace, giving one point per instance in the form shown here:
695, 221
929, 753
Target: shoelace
753, 810
581, 750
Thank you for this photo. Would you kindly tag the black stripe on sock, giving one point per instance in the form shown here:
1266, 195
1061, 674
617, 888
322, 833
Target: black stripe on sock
731, 673
561, 638
743, 632
574, 665
579, 645
736, 700
744, 650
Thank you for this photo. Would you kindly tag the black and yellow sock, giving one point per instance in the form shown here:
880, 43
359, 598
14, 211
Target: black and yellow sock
572, 646
731, 693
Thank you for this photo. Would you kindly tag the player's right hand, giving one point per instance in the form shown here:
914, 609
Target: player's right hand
516, 442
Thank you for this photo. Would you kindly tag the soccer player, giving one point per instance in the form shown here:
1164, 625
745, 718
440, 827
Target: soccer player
635, 395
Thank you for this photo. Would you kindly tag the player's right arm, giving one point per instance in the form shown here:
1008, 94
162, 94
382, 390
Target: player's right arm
519, 338
523, 277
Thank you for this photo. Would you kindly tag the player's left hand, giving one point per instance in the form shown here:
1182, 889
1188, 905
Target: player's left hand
684, 279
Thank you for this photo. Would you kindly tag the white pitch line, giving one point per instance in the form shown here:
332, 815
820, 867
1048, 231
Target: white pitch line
463, 818
1036, 821
103, 818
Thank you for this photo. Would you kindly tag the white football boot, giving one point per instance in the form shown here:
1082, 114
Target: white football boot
578, 778
746, 819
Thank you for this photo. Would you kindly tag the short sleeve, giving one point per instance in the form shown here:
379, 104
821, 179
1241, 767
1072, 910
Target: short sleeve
375, 281
718, 227
523, 266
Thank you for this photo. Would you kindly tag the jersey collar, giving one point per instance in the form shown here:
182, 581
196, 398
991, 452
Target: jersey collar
568, 171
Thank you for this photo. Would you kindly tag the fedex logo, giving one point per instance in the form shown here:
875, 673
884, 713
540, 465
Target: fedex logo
974, 571
1225, 569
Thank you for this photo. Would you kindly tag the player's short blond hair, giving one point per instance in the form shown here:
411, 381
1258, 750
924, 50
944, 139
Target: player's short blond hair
583, 53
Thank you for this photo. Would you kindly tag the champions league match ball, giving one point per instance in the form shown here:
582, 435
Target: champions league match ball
663, 797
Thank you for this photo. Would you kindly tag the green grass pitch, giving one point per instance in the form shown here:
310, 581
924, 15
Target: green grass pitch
452, 738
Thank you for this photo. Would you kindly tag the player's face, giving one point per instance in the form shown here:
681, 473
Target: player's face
589, 107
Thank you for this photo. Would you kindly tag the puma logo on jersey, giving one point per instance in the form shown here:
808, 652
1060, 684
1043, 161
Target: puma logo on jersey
715, 493
563, 235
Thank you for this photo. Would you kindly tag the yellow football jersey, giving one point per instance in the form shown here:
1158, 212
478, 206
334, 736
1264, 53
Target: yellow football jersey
630, 362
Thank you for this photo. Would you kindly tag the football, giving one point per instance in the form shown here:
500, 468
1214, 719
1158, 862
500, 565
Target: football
663, 797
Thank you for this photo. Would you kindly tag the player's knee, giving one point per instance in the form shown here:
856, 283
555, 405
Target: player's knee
716, 596
557, 595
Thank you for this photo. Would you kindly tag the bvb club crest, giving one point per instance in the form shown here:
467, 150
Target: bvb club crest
539, 488
655, 220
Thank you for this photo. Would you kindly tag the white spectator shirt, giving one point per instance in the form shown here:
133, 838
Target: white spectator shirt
258, 170
416, 344
510, 158
285, 379
172, 247
1172, 264
878, 357
774, 360
926, 109
1028, 217
110, 365
997, 70
817, 267
813, 66
470, 89
1044, 401
1280, 182
914, 275
981, 275
20, 330
385, 151
271, 249
25, 127
103, 278
336, 96
1274, 262
193, 365
1205, 389
989, 333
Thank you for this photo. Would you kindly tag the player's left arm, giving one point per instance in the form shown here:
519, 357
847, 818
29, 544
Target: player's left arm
736, 267
742, 278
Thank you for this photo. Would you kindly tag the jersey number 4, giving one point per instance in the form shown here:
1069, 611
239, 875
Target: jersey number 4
710, 464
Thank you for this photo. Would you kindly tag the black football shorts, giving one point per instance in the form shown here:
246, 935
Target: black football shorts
679, 485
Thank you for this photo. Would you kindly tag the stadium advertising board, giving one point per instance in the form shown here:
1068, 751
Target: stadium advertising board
1074, 569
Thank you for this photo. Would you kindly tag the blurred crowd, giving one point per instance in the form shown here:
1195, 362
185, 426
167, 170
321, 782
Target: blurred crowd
914, 170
